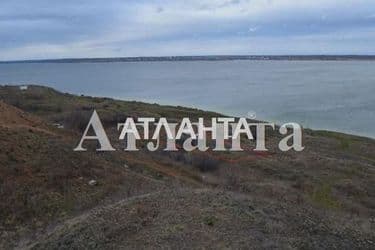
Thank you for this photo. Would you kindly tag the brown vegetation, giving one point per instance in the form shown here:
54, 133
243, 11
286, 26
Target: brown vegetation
323, 197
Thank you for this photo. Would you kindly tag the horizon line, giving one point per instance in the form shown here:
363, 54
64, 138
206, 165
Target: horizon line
301, 57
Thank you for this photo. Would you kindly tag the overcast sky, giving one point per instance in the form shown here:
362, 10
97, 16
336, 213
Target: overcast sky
112, 28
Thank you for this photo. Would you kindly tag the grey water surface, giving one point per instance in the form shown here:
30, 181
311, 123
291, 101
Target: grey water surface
332, 95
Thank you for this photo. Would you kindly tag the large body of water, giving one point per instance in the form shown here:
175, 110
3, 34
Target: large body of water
333, 95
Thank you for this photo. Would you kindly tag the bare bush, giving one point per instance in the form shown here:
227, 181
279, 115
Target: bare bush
77, 119
204, 162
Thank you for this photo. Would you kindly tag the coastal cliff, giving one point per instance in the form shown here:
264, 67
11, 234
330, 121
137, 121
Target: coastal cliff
321, 197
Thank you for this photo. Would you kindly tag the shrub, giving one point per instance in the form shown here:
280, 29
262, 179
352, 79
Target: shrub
77, 120
204, 162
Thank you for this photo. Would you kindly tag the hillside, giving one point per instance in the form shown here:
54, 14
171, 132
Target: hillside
323, 197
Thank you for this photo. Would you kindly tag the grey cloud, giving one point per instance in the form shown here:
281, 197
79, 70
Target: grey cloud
96, 27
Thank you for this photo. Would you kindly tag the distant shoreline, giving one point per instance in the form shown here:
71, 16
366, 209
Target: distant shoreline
204, 58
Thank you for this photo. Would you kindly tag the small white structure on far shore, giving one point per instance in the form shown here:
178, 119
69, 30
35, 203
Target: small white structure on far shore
24, 87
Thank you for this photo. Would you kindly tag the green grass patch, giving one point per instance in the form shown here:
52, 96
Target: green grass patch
322, 196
